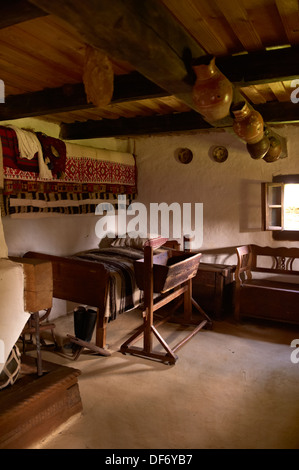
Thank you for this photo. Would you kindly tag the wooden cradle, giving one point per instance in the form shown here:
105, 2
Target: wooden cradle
168, 274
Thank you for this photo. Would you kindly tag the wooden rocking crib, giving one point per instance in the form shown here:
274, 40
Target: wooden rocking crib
168, 274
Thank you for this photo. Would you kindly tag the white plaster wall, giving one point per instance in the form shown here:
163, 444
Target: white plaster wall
56, 235
230, 191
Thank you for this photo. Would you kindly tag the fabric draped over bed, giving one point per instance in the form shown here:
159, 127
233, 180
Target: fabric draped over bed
70, 179
122, 293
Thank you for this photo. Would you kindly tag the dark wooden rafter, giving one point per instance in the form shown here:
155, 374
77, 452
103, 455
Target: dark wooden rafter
134, 126
18, 11
273, 113
40, 103
279, 113
72, 97
142, 33
146, 35
261, 67
243, 70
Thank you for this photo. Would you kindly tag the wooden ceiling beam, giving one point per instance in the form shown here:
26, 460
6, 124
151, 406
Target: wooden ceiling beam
261, 67
17, 11
48, 101
147, 36
144, 34
279, 112
243, 71
273, 113
144, 125
72, 97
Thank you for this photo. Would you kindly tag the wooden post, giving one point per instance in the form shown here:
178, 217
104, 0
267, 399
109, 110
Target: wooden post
101, 329
148, 297
188, 302
39, 366
188, 293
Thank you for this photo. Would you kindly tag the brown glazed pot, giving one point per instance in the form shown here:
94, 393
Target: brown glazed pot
274, 151
248, 123
259, 149
212, 92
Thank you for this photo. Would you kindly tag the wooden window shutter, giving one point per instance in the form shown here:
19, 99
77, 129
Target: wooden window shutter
273, 206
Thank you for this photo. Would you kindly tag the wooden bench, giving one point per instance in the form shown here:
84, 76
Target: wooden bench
267, 283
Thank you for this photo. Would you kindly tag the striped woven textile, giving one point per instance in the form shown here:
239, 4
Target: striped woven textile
123, 293
82, 178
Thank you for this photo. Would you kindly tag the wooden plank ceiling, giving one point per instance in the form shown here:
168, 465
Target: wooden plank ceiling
42, 53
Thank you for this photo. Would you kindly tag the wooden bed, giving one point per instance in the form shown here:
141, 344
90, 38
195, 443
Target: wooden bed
84, 282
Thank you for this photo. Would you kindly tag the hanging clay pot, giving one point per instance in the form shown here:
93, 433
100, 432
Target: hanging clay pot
248, 123
274, 151
259, 149
212, 92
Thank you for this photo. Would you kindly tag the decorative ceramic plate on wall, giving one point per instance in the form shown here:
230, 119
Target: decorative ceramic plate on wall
220, 154
185, 155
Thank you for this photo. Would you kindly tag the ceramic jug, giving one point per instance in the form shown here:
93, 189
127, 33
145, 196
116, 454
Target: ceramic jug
248, 123
212, 91
259, 149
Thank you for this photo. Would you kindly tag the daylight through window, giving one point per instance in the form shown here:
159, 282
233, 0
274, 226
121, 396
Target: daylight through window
291, 207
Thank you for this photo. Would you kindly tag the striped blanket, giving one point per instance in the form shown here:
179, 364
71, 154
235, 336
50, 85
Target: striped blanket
123, 293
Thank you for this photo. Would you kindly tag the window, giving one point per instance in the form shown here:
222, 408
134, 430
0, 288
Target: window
274, 210
281, 208
291, 207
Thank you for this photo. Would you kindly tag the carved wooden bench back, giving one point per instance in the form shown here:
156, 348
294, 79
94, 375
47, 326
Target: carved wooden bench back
244, 263
282, 259
273, 297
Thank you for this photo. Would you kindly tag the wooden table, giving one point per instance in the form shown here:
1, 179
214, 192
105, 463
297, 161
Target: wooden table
213, 288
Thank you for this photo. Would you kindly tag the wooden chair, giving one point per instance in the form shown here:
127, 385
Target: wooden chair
37, 322
242, 272
244, 255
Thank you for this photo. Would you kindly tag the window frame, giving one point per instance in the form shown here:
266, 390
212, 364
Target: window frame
278, 233
274, 208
